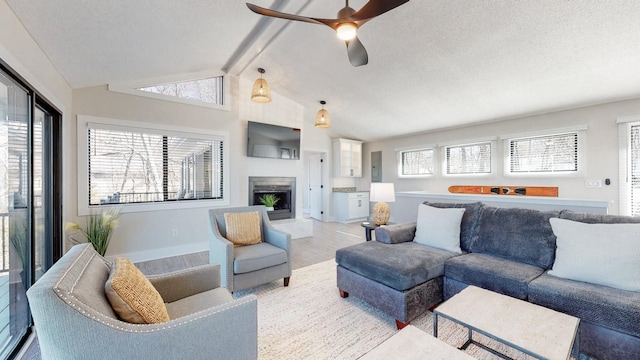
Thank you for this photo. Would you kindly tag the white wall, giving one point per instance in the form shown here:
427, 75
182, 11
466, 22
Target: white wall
21, 53
601, 152
280, 111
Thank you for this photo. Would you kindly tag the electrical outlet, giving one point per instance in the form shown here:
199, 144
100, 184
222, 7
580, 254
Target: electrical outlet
593, 183
174, 232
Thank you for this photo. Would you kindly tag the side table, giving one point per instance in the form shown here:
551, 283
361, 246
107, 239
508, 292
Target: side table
369, 226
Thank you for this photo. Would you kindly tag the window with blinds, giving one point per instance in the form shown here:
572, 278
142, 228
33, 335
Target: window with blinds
557, 153
416, 162
128, 166
634, 169
468, 159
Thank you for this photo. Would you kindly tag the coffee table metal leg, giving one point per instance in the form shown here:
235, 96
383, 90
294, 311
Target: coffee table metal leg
577, 342
435, 325
469, 340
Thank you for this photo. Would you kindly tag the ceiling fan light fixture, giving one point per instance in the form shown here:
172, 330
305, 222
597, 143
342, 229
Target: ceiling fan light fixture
346, 31
260, 92
323, 120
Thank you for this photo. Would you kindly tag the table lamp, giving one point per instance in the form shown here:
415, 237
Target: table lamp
382, 193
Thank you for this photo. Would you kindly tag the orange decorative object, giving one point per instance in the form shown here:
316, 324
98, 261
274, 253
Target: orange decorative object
505, 190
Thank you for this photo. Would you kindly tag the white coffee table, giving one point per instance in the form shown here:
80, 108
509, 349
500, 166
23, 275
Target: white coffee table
532, 329
411, 343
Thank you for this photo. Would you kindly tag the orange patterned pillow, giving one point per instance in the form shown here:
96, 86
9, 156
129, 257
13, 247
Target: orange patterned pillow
243, 228
132, 296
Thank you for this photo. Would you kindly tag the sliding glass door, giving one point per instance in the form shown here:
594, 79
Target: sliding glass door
14, 168
28, 207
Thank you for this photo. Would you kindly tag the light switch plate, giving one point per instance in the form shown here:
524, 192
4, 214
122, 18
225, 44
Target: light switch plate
593, 183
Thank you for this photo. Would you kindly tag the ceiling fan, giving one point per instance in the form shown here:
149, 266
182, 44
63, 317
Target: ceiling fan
346, 25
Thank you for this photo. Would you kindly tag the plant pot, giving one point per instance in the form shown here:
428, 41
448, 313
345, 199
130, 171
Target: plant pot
269, 208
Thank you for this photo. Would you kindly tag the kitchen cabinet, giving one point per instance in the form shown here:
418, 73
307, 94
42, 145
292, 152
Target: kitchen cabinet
347, 158
353, 206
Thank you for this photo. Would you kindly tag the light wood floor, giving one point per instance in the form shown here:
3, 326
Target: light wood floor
327, 238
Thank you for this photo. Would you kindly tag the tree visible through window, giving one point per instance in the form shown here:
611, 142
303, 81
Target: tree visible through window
205, 90
468, 159
417, 162
139, 166
544, 154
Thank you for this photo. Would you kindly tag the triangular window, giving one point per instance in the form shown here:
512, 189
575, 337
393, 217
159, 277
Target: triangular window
205, 90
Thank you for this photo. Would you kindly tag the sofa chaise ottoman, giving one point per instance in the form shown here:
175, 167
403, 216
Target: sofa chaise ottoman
403, 281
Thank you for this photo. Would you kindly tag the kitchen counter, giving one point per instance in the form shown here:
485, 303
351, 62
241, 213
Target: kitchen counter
344, 189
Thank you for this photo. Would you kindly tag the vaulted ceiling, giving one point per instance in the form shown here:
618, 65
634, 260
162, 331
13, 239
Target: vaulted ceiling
432, 63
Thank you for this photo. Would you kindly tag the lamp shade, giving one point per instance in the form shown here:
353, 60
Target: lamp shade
382, 192
260, 92
323, 120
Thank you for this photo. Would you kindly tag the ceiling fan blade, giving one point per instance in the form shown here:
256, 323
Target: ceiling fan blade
374, 8
332, 23
357, 53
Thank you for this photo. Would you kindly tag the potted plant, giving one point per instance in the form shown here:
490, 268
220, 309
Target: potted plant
98, 230
269, 200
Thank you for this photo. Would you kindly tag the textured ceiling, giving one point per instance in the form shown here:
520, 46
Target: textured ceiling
432, 64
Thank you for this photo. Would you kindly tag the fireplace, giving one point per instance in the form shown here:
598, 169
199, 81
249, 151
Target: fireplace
282, 187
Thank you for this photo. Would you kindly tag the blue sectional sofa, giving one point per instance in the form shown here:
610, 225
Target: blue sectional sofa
507, 250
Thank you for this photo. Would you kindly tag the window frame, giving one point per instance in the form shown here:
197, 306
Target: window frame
132, 89
399, 161
51, 197
625, 124
492, 157
83, 165
580, 131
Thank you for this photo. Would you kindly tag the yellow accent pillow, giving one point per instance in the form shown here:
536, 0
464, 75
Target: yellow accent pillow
132, 296
243, 228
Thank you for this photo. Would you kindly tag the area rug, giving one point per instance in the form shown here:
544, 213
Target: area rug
309, 320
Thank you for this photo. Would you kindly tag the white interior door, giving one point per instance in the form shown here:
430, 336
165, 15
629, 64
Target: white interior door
315, 186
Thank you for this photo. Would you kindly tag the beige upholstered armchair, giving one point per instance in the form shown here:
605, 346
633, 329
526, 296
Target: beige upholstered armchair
247, 266
74, 318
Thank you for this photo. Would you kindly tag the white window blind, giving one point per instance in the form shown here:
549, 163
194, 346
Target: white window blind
468, 159
555, 153
634, 169
416, 162
128, 165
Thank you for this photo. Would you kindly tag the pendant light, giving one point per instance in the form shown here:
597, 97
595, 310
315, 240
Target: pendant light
261, 92
322, 117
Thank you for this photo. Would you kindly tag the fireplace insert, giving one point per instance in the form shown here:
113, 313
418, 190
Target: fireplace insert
284, 188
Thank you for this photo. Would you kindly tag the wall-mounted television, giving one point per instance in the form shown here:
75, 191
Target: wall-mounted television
273, 141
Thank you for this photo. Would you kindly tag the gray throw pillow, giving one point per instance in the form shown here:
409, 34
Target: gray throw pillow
439, 228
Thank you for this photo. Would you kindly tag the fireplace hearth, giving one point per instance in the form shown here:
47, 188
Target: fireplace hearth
282, 187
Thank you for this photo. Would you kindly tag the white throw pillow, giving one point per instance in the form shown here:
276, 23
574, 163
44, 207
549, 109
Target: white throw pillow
439, 228
604, 254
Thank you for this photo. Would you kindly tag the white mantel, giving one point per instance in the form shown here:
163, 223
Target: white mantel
406, 206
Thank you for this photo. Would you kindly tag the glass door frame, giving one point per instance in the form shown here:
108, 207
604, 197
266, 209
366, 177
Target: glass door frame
52, 179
